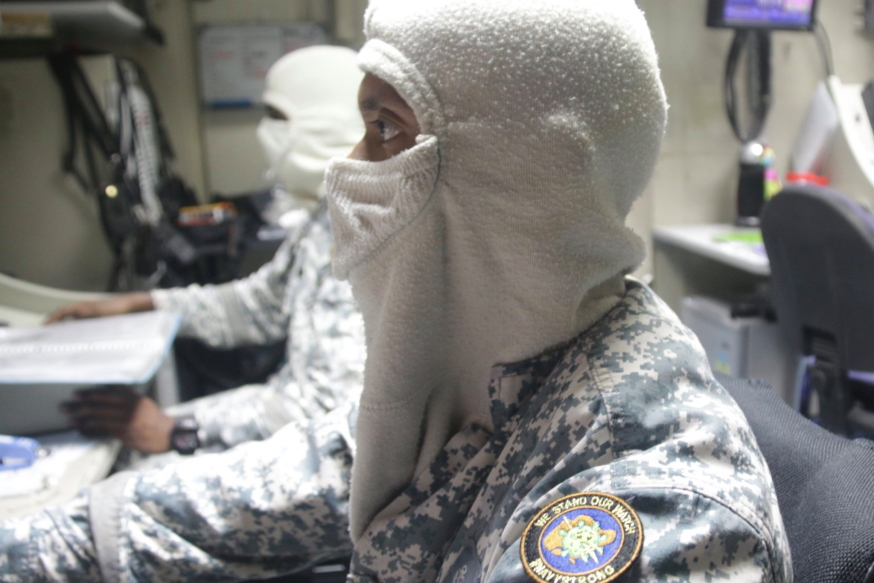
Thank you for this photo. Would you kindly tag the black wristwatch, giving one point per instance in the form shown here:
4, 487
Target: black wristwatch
185, 437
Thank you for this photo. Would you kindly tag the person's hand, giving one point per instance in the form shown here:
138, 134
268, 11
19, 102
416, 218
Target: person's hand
111, 306
121, 413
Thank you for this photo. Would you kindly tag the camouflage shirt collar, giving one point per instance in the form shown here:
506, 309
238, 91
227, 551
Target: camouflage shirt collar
511, 385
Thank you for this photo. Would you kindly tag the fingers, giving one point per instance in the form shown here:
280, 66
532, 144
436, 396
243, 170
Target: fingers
104, 399
101, 412
71, 312
78, 311
96, 427
110, 306
107, 394
118, 411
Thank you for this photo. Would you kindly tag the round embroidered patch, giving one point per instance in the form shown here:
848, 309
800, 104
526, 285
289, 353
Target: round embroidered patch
584, 538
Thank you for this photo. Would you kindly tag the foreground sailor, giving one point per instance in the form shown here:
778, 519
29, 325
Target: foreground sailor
529, 413
313, 116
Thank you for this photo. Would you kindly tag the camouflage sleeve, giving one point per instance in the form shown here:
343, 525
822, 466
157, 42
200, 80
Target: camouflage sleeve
702, 496
54, 545
258, 510
686, 537
324, 370
258, 413
245, 311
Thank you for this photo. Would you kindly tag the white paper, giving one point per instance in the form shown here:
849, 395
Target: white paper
119, 349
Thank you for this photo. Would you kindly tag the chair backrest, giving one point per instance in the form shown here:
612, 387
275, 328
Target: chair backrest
821, 248
824, 484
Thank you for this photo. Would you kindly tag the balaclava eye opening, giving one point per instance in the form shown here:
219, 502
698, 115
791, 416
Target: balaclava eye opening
502, 232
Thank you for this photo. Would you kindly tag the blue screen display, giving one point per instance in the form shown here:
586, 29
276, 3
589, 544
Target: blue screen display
766, 13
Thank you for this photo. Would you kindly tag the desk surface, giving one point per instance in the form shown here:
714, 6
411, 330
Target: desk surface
84, 462
705, 240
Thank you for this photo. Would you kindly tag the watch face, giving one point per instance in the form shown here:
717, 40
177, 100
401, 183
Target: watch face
184, 440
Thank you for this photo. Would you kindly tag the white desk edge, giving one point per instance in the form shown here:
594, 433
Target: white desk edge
698, 239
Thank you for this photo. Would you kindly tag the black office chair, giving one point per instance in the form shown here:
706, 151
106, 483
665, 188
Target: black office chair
821, 248
824, 483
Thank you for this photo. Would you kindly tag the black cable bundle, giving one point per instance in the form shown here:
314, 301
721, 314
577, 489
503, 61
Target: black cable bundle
138, 225
88, 129
757, 44
825, 47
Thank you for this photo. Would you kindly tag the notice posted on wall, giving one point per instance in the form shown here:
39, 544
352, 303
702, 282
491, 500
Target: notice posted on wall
234, 59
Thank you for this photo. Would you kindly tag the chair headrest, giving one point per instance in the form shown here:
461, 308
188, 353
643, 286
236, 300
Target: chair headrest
821, 248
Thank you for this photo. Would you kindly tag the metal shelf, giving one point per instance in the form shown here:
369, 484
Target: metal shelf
91, 26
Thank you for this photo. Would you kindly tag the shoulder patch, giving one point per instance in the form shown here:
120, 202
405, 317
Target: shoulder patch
583, 538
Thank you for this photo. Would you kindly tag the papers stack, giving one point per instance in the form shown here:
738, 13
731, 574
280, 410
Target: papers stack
41, 367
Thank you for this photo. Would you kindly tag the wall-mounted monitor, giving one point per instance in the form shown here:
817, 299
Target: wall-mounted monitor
762, 14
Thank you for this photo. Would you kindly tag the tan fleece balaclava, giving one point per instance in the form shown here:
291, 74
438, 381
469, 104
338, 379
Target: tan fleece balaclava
502, 232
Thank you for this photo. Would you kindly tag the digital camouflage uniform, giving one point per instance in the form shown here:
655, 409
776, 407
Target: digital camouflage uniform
258, 509
629, 409
295, 297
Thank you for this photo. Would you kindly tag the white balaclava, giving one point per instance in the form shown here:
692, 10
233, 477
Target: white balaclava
502, 232
316, 88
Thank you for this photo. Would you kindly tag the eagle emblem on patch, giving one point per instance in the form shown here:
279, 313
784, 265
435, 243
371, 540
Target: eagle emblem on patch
589, 537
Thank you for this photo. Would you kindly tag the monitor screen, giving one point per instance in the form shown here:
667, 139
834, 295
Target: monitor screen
768, 14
